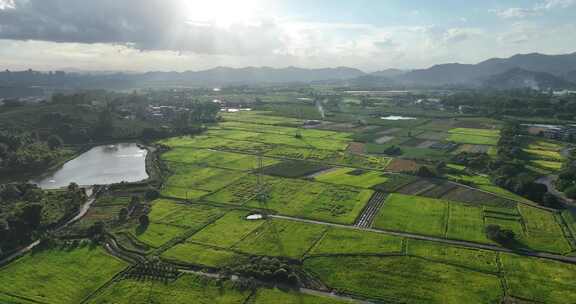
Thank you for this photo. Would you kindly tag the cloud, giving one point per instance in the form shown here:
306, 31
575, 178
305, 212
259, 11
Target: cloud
144, 24
6, 4
536, 10
552, 4
515, 12
385, 43
455, 35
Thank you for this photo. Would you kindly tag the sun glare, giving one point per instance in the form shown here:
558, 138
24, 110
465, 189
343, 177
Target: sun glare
221, 12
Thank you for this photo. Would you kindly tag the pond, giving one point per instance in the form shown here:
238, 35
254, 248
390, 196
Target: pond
395, 117
100, 165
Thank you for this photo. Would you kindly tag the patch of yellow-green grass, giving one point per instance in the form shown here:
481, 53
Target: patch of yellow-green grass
198, 254
219, 159
348, 241
473, 139
281, 238
58, 275
543, 232
478, 132
190, 182
547, 165
414, 214
186, 289
405, 279
544, 154
483, 260
545, 145
353, 177
466, 222
156, 234
184, 193
539, 280
313, 200
493, 151
183, 215
456, 167
227, 230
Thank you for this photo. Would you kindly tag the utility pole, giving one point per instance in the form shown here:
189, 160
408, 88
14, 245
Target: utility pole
261, 194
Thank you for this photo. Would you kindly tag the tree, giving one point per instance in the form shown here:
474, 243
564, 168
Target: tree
550, 200
424, 171
96, 230
54, 141
123, 215
144, 220
32, 215
152, 195
73, 187
571, 192
499, 235
440, 166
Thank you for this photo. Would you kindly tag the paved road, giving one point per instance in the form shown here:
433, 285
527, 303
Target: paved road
543, 255
549, 181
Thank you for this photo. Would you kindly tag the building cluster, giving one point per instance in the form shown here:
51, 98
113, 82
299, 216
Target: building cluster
565, 133
164, 113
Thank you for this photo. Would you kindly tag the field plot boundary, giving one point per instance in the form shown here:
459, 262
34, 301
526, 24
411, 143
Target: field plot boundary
465, 244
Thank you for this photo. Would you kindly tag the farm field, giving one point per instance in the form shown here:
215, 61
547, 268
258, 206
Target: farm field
168, 220
539, 280
58, 275
481, 260
413, 214
294, 169
534, 228
472, 139
316, 215
218, 159
198, 254
294, 197
405, 279
227, 230
281, 238
192, 182
181, 291
543, 231
353, 177
344, 241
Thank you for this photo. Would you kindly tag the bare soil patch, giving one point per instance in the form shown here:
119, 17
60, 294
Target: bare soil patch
402, 165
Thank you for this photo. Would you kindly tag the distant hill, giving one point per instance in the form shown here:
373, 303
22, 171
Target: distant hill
251, 75
213, 77
389, 73
571, 76
471, 74
517, 78
527, 70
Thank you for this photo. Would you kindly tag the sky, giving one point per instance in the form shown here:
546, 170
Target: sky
180, 35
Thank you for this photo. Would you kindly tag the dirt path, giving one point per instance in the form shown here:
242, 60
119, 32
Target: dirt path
549, 256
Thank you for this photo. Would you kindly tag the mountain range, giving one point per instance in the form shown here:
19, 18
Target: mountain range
534, 70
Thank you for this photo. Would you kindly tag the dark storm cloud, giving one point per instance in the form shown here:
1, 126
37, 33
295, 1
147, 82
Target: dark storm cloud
142, 24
